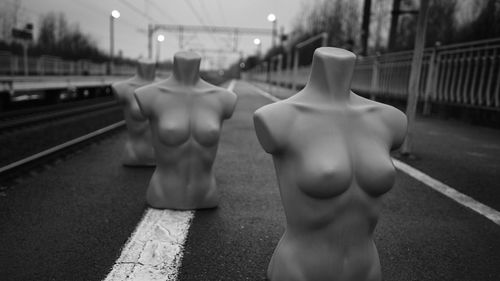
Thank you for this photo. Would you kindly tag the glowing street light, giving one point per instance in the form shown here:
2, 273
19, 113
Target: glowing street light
160, 38
272, 18
114, 15
258, 43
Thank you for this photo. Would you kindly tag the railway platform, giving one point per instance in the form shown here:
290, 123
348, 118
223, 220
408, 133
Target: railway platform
82, 217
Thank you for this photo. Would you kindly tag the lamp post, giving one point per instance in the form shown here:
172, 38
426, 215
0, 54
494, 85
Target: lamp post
258, 43
272, 18
159, 39
114, 15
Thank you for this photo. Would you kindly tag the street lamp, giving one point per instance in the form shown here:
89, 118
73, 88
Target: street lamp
159, 39
114, 15
272, 18
258, 43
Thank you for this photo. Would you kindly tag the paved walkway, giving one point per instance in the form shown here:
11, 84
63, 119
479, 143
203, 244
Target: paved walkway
70, 222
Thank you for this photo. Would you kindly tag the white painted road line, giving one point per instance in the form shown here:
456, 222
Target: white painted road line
154, 251
263, 93
449, 192
440, 187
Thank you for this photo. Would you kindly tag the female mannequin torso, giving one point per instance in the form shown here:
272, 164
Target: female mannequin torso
138, 146
331, 153
186, 115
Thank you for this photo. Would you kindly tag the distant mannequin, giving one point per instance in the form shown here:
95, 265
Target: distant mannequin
331, 153
186, 115
138, 146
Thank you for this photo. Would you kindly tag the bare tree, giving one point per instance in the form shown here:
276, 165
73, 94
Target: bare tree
9, 17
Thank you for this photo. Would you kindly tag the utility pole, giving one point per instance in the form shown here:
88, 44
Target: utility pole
25, 36
150, 41
365, 27
393, 30
416, 66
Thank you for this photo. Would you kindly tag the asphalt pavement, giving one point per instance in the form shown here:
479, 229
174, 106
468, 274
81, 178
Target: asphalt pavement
422, 235
69, 221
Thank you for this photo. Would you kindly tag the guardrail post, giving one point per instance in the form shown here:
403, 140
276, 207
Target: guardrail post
268, 70
264, 71
289, 68
279, 66
324, 40
271, 74
430, 83
374, 86
295, 69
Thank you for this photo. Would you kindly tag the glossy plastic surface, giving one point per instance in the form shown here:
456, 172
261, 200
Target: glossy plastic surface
138, 146
186, 115
331, 153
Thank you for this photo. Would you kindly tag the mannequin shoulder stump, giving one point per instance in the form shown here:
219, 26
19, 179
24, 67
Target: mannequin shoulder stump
392, 118
144, 98
397, 123
118, 89
229, 100
271, 124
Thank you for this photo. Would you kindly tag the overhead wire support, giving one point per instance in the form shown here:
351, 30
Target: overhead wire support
214, 29
204, 28
200, 19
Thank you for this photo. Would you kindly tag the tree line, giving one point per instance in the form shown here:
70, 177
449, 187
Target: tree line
56, 37
449, 21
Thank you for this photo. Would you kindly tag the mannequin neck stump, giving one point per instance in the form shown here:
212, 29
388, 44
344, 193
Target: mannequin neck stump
146, 70
331, 73
186, 68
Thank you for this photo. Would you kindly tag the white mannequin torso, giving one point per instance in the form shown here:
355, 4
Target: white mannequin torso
186, 115
138, 146
331, 152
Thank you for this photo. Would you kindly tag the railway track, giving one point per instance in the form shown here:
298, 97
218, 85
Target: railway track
31, 119
22, 166
35, 109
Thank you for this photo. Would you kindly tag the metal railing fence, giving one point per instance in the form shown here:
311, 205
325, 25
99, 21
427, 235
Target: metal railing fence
51, 65
466, 74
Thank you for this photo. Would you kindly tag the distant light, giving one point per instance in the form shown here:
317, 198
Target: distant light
221, 72
115, 14
161, 38
242, 65
271, 17
256, 41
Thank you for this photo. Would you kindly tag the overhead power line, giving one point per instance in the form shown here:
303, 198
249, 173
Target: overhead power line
163, 12
200, 19
138, 11
221, 11
94, 9
207, 14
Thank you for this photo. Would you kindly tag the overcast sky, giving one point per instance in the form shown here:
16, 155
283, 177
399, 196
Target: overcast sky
130, 29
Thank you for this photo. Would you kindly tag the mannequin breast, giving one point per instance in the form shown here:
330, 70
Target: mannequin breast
336, 150
189, 119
